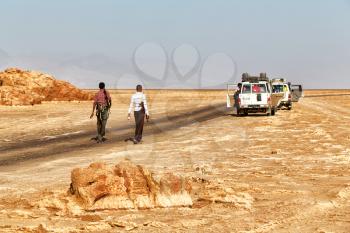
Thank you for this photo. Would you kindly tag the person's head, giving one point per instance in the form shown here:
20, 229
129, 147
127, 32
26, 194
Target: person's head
139, 88
101, 85
239, 85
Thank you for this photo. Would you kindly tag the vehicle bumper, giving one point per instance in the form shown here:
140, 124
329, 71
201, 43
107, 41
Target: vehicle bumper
286, 103
255, 108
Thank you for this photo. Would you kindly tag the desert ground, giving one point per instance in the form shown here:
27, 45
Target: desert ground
284, 173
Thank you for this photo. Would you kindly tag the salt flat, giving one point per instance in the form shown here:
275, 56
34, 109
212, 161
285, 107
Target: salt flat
287, 173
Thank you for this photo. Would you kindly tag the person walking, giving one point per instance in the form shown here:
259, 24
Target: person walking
138, 102
236, 99
102, 104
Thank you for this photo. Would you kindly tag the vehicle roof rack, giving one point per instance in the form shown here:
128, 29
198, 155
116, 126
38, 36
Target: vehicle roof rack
253, 79
282, 80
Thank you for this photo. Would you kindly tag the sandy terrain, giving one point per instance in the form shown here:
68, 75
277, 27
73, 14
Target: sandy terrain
287, 173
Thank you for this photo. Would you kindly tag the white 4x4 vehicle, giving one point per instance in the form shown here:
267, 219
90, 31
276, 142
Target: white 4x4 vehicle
280, 86
254, 95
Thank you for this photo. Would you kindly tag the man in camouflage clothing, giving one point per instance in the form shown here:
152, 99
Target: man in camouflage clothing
102, 104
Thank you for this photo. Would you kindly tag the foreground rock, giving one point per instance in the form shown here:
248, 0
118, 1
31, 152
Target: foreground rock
127, 186
18, 87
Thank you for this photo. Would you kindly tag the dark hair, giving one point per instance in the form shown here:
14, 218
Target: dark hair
138, 88
101, 85
239, 85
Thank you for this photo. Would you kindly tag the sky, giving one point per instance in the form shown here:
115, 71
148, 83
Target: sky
178, 43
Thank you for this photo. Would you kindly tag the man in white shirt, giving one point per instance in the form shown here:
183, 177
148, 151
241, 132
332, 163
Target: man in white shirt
139, 104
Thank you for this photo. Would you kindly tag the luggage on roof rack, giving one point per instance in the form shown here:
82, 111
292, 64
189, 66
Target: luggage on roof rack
253, 79
276, 80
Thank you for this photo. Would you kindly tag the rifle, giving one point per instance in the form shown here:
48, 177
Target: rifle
108, 102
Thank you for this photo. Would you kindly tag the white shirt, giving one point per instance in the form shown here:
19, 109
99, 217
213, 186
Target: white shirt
135, 102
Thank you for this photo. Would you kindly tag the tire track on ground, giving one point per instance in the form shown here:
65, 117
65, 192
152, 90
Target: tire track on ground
327, 95
37, 149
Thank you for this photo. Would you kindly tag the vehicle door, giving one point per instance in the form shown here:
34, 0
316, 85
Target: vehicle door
260, 94
231, 90
296, 92
245, 95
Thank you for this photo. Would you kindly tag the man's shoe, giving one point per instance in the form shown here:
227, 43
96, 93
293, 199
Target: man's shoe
128, 139
99, 139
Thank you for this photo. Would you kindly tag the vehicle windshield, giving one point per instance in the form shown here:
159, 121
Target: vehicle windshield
277, 88
259, 88
255, 88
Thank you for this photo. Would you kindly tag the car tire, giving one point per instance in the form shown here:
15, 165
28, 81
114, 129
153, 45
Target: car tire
268, 112
273, 111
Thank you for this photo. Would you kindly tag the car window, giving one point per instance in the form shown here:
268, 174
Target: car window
259, 88
246, 88
277, 88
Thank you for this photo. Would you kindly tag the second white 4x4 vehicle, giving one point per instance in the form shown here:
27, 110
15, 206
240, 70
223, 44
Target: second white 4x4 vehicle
255, 96
280, 86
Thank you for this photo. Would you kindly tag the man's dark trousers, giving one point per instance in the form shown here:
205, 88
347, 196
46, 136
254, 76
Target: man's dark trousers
102, 118
140, 121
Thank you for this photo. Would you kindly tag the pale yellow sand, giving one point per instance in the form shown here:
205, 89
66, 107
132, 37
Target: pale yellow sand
287, 173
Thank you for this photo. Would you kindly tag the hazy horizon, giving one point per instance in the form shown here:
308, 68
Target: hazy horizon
128, 42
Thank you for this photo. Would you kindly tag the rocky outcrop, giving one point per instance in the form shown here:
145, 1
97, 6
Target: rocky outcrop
127, 186
18, 87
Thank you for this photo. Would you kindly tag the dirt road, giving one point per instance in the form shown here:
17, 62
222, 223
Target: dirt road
54, 147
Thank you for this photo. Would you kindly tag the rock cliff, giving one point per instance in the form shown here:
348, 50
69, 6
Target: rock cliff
19, 87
